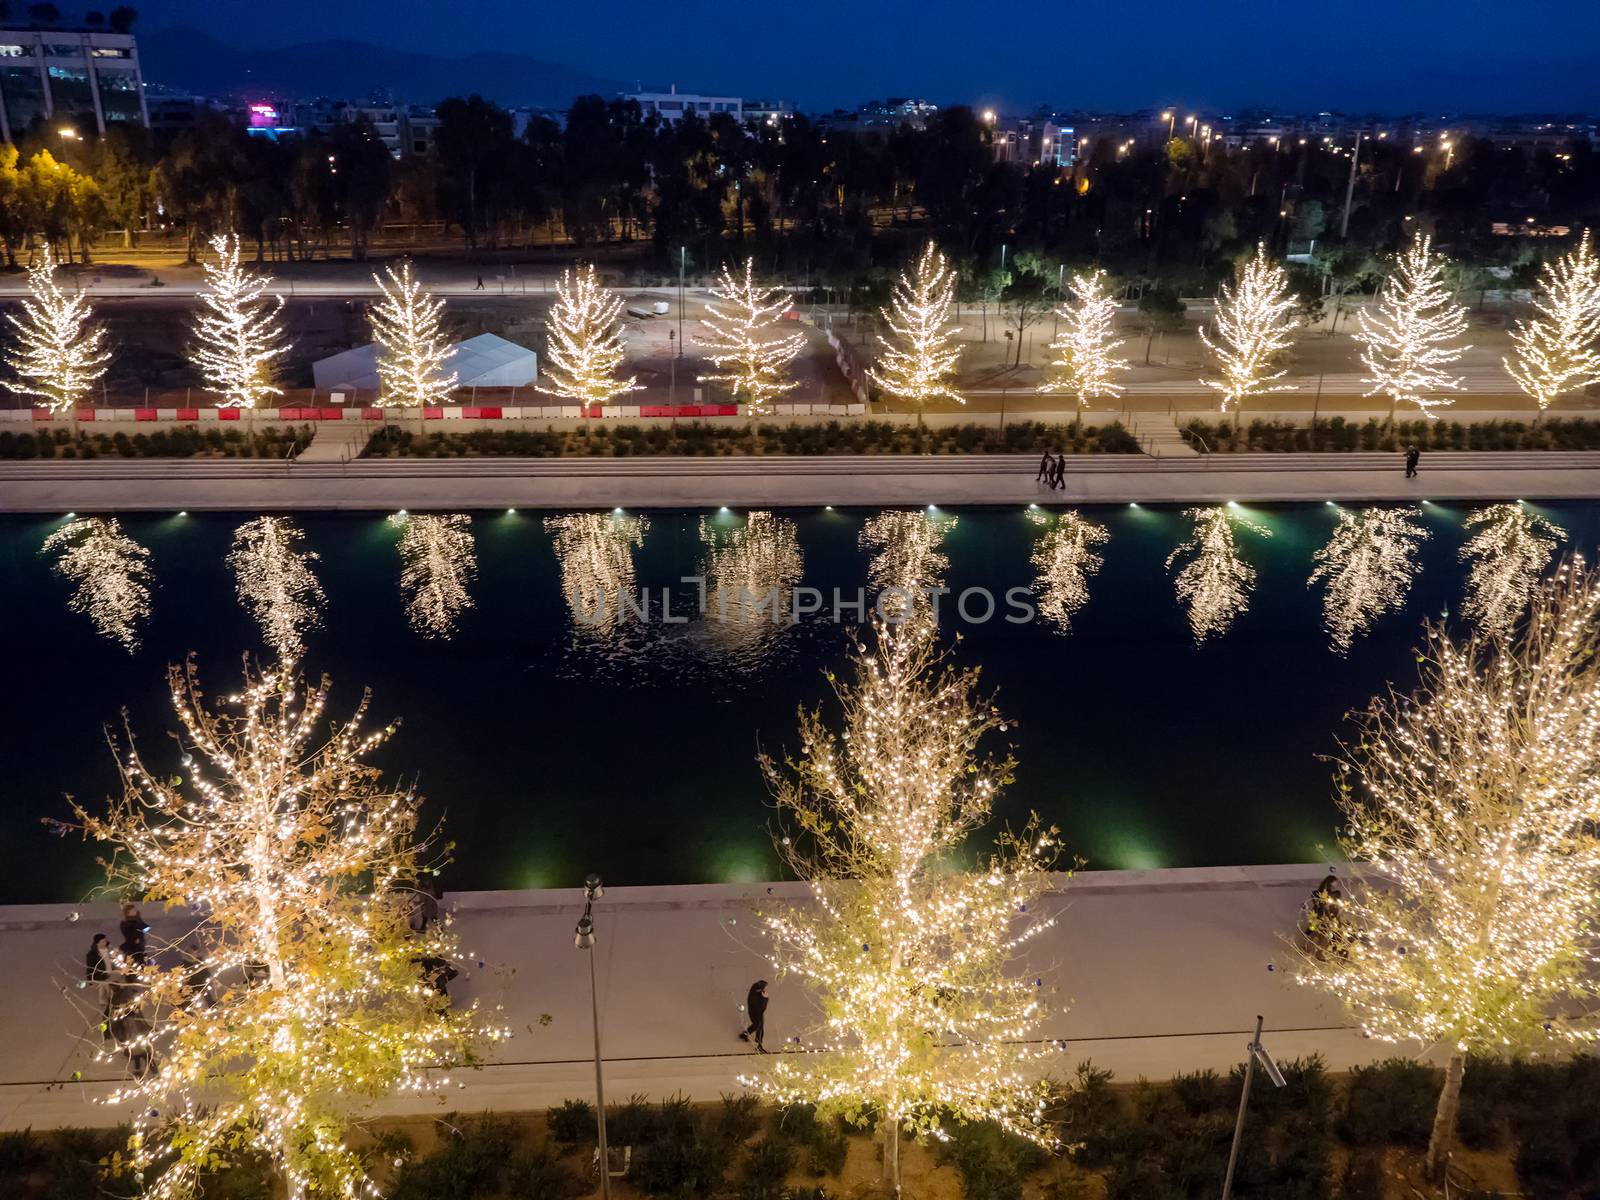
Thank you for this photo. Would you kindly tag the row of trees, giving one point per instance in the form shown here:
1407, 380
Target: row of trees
1472, 809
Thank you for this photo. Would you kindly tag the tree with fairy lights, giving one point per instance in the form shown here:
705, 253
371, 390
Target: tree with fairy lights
1215, 582
1555, 349
918, 357
584, 344
1472, 809
1065, 557
1406, 338
110, 574
1085, 365
59, 355
438, 562
1255, 323
925, 1019
411, 343
237, 335
743, 340
294, 995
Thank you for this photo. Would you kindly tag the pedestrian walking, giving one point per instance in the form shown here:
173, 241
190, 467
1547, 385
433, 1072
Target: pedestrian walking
1413, 457
1320, 910
424, 913
97, 977
1044, 468
755, 1007
1060, 471
479, 288
133, 934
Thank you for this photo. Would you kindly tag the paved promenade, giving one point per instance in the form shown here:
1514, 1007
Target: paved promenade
1157, 971
389, 484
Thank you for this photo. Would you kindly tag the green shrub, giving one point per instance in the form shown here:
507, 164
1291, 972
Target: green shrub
1391, 1102
471, 1164
765, 1172
739, 1119
631, 1123
573, 1121
824, 1143
1362, 1178
990, 1161
681, 1167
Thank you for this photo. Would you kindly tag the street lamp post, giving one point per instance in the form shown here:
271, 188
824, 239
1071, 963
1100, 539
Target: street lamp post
1350, 186
1255, 1052
583, 939
683, 255
1004, 383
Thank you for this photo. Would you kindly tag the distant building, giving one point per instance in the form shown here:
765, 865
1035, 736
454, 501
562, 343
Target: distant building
672, 106
1032, 142
68, 76
771, 111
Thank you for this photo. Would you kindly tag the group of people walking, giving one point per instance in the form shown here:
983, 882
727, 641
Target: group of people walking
1052, 471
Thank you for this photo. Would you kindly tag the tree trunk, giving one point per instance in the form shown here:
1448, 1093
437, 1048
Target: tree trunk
891, 1154
1444, 1118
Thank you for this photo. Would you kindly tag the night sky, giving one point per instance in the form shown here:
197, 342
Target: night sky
1388, 55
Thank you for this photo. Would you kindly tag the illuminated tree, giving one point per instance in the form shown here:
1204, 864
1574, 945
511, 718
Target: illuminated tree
275, 582
919, 360
1367, 568
1084, 365
437, 564
412, 345
110, 573
1215, 583
595, 551
926, 1020
294, 995
1472, 808
1555, 349
1508, 553
1405, 339
237, 335
58, 354
1255, 324
743, 340
585, 344
907, 566
1065, 558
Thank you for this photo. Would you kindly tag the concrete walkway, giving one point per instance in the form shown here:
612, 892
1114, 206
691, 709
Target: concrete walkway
388, 484
1156, 972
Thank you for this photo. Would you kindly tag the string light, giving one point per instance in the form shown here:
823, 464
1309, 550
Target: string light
1555, 349
438, 563
236, 335
595, 551
585, 344
407, 328
918, 360
294, 995
59, 355
1472, 809
110, 573
907, 564
751, 569
275, 583
1508, 554
1215, 583
924, 1021
742, 340
1404, 342
1065, 558
1084, 365
1254, 325
1367, 569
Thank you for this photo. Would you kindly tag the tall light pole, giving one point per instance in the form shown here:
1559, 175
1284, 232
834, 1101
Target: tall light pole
683, 255
1255, 1052
1172, 120
583, 939
1350, 186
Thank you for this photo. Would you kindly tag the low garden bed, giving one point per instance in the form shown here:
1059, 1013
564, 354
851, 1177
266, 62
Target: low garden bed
1336, 433
1525, 1129
614, 440
275, 441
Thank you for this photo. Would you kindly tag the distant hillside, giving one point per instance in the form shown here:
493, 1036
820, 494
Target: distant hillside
192, 61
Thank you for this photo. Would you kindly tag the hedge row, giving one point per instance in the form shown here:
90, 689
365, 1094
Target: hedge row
1313, 1139
1335, 434
612, 440
184, 442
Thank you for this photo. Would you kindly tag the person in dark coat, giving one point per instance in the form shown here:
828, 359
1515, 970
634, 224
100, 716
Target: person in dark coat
755, 1007
133, 933
1413, 457
1060, 474
97, 977
1044, 469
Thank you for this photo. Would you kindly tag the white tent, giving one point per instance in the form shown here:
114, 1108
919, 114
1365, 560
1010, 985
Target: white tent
486, 361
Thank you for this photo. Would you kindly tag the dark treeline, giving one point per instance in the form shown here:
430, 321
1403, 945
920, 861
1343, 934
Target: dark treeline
831, 207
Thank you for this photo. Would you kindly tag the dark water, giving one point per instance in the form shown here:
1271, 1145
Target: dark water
551, 755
